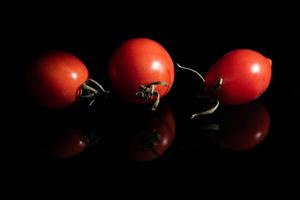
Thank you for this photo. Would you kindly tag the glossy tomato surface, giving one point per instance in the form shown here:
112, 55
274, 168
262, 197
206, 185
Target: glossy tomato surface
54, 79
246, 75
139, 62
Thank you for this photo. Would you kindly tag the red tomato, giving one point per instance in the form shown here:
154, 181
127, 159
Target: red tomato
55, 78
246, 75
155, 139
244, 127
136, 65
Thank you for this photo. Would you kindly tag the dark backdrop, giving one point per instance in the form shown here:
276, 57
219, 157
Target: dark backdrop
193, 39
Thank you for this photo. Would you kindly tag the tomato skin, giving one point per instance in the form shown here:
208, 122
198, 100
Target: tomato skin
55, 78
140, 61
245, 126
246, 75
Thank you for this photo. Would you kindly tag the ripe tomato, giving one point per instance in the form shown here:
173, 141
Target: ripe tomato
155, 139
55, 78
141, 71
244, 127
244, 75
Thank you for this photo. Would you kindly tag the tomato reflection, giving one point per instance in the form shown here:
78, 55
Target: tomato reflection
155, 138
73, 141
244, 127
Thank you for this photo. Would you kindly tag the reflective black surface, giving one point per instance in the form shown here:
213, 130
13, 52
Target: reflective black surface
264, 131
111, 130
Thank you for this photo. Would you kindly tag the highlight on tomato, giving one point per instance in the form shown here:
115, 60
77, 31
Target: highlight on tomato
58, 79
141, 71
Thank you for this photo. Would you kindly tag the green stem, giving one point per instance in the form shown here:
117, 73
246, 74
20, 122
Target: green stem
146, 92
210, 92
91, 89
99, 86
207, 112
154, 106
192, 70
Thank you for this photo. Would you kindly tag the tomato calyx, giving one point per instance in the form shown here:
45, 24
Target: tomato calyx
91, 89
146, 92
209, 92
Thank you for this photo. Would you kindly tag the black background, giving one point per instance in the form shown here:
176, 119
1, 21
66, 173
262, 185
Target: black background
193, 38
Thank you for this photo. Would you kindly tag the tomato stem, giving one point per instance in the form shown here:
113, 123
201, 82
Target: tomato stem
91, 89
156, 101
192, 70
146, 92
210, 92
207, 112
217, 86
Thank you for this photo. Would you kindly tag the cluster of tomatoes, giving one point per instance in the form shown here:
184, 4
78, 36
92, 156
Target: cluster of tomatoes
141, 72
